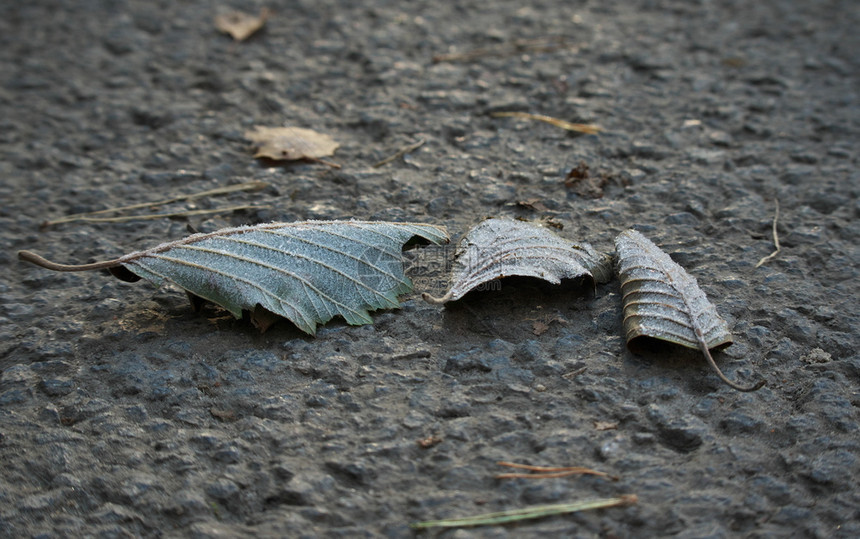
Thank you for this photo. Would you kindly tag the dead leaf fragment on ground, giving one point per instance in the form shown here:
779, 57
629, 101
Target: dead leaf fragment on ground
240, 25
291, 143
498, 248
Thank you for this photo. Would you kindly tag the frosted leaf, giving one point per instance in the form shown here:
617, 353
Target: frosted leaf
308, 272
498, 248
662, 301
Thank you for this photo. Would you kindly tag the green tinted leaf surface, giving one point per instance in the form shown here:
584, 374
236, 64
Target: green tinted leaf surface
307, 272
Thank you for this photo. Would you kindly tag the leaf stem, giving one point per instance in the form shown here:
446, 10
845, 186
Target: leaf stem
437, 301
704, 347
33, 258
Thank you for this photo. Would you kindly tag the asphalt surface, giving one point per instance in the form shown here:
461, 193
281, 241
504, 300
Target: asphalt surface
125, 413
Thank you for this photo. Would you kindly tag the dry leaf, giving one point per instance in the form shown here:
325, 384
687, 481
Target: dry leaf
241, 25
307, 272
498, 248
291, 143
662, 301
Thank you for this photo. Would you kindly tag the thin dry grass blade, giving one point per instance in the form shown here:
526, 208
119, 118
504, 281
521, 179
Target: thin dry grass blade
247, 186
588, 129
151, 216
539, 511
401, 152
548, 472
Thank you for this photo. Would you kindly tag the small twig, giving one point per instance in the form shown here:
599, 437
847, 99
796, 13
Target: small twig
775, 237
574, 373
568, 473
401, 152
588, 129
247, 186
188, 213
506, 49
548, 472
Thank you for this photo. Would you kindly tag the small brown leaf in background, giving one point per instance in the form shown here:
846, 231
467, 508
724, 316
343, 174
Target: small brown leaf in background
605, 425
240, 25
291, 143
580, 180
